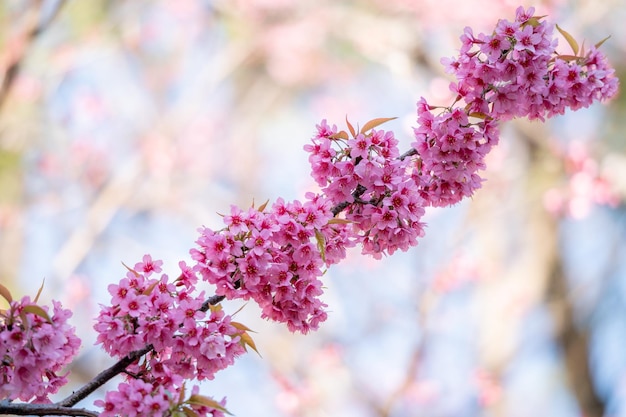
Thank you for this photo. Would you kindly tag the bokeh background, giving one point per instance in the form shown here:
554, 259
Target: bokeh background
126, 125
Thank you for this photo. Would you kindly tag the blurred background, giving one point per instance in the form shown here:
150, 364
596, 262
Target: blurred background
126, 125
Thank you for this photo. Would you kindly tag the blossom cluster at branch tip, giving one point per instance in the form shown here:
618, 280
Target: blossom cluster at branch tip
34, 348
517, 72
168, 315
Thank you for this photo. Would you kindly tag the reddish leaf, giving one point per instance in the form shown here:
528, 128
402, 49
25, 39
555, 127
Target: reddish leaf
135, 273
479, 115
247, 340
241, 327
150, 288
375, 122
342, 134
196, 399
339, 221
350, 127
262, 206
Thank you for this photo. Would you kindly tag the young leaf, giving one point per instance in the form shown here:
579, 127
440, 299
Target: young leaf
39, 292
568, 57
478, 115
375, 122
262, 206
150, 288
342, 134
196, 399
570, 39
597, 45
350, 127
247, 340
239, 309
189, 412
182, 394
241, 327
321, 244
534, 21
135, 273
38, 311
5, 293
339, 221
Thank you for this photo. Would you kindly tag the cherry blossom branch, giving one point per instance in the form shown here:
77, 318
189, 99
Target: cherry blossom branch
25, 409
102, 378
119, 367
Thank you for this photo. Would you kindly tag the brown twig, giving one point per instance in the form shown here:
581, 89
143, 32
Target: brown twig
26, 409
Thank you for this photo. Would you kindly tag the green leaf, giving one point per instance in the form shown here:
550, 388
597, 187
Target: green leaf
375, 122
321, 244
39, 292
350, 127
570, 39
599, 44
38, 311
196, 399
5, 293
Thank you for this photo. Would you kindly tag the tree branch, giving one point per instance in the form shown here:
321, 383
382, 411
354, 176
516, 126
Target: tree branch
34, 28
119, 367
103, 377
25, 409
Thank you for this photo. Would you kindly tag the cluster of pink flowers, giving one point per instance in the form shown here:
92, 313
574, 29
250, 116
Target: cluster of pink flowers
513, 72
274, 257
34, 348
451, 150
189, 340
366, 174
516, 71
136, 397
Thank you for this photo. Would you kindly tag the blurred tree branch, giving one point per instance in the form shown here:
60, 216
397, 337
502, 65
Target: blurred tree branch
18, 48
574, 343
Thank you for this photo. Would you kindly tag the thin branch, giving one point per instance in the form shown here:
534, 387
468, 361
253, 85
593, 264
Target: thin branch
103, 377
25, 409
